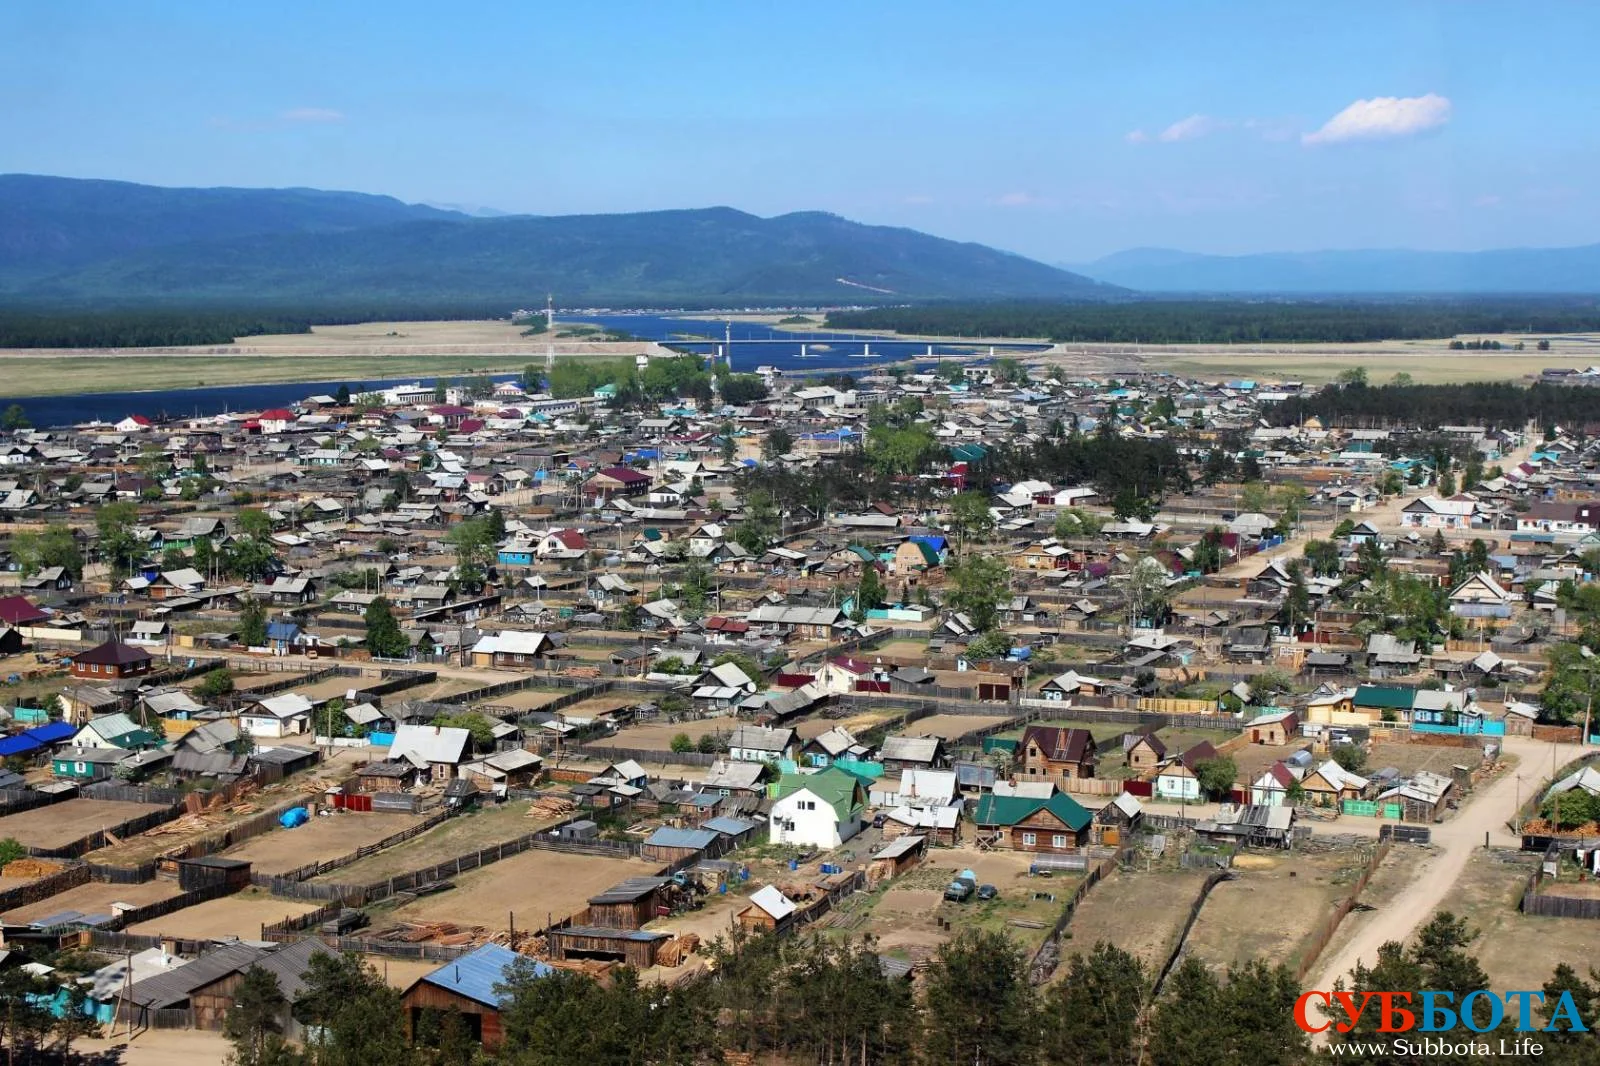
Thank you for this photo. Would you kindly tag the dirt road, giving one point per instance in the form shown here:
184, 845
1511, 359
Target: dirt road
1487, 813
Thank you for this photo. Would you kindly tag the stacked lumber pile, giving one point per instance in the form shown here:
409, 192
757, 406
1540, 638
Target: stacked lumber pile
676, 951
431, 933
551, 807
31, 868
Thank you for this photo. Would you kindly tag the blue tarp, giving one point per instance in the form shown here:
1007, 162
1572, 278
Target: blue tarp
294, 817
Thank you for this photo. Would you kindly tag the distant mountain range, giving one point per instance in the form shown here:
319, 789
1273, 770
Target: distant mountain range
1512, 270
74, 242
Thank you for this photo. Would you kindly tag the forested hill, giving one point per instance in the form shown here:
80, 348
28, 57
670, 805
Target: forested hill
52, 225
67, 243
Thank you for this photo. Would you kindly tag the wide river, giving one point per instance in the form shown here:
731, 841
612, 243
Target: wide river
753, 345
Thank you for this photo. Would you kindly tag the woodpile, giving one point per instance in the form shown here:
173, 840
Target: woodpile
31, 868
432, 933
676, 951
551, 807
1540, 827
589, 672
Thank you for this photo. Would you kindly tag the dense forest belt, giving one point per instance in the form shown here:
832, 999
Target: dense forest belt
1494, 405
1232, 322
69, 328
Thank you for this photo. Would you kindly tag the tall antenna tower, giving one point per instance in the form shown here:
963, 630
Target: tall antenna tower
727, 343
549, 332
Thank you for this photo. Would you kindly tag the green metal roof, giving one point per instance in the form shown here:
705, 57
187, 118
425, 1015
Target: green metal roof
1009, 810
840, 790
1399, 699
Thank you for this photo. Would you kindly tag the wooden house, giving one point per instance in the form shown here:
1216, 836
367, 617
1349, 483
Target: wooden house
1117, 821
465, 987
112, 660
1145, 752
1275, 728
1057, 824
770, 911
1055, 753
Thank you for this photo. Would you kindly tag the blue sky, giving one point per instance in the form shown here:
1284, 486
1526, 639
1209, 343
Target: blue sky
1062, 131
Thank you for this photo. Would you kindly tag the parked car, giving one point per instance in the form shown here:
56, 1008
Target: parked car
958, 891
988, 892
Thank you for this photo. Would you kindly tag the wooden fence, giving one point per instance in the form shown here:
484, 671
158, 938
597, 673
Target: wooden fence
162, 908
75, 874
1330, 925
1044, 960
356, 895
101, 837
1200, 898
314, 869
1536, 901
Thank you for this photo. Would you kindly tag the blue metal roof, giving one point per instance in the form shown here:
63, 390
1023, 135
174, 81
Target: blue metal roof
18, 745
53, 732
669, 837
475, 974
282, 630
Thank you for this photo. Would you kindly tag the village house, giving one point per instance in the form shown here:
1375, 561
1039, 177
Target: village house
1055, 753
820, 810
111, 661
438, 751
1055, 825
1179, 779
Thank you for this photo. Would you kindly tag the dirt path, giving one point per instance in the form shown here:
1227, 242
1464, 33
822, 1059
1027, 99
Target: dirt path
1453, 842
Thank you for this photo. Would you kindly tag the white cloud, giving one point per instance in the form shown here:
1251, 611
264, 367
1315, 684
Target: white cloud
1188, 129
1381, 118
1017, 199
917, 199
312, 114
1136, 136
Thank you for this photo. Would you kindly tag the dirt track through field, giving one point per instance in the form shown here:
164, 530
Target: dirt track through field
1454, 840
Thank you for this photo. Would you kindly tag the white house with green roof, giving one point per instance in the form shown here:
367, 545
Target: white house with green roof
820, 810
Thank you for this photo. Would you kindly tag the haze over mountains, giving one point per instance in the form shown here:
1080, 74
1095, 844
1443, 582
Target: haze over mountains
1515, 270
73, 242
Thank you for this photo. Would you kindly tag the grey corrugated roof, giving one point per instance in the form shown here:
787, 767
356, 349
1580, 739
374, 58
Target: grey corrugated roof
632, 889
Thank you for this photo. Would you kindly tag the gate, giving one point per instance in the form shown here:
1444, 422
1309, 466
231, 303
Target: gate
353, 801
1406, 834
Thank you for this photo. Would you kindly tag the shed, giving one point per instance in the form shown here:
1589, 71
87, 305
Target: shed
628, 904
668, 844
467, 986
770, 911
899, 855
208, 871
633, 947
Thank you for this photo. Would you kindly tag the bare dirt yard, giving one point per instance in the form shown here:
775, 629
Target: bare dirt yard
657, 736
241, 915
950, 726
528, 699
61, 823
1141, 913
536, 886
308, 786
457, 836
855, 723
157, 1047
1273, 908
1517, 950
323, 837
909, 917
1409, 758
93, 898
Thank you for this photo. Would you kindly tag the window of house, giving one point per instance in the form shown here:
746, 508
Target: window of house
1030, 839
94, 668
1059, 840
807, 805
